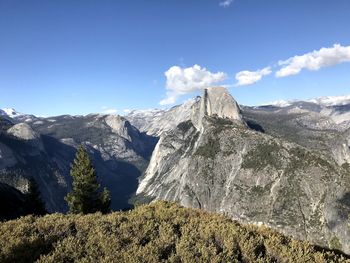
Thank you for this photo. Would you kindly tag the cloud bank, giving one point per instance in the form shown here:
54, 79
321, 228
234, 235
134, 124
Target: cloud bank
314, 60
180, 81
250, 77
226, 3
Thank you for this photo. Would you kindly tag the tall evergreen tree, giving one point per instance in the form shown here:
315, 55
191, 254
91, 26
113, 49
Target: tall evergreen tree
34, 203
86, 196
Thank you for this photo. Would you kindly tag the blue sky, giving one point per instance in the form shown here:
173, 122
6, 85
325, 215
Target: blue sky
78, 57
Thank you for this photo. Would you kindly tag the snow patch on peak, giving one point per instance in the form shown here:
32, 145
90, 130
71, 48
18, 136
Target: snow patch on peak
279, 103
332, 100
322, 101
10, 112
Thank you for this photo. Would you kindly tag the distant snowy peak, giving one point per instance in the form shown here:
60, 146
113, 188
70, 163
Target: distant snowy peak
146, 112
332, 100
279, 103
323, 101
10, 112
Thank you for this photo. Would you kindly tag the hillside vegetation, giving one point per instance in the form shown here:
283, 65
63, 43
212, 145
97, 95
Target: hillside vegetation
160, 232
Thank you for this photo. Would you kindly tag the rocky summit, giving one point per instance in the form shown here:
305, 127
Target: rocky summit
217, 102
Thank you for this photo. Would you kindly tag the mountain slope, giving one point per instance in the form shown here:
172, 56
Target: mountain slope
321, 124
45, 147
303, 124
221, 165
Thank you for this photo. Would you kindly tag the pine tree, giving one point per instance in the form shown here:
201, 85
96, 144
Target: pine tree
35, 204
105, 201
86, 196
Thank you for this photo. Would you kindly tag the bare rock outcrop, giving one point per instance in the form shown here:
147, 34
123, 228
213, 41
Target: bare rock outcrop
23, 131
218, 102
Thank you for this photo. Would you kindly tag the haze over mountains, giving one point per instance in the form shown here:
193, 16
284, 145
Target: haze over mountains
285, 165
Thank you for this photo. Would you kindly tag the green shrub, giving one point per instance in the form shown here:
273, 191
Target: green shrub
185, 126
261, 156
335, 243
160, 232
210, 149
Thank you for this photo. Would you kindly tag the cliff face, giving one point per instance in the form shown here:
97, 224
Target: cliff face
341, 148
215, 102
215, 162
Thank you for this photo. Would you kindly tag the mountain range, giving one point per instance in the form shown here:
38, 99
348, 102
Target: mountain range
284, 165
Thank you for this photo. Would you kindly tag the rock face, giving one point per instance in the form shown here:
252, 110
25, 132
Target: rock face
340, 148
218, 102
217, 163
23, 131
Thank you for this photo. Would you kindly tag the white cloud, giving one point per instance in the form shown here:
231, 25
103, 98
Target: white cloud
127, 111
226, 3
180, 81
109, 111
250, 77
314, 60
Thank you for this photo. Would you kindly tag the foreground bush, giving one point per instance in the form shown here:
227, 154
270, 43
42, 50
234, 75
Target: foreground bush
161, 232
